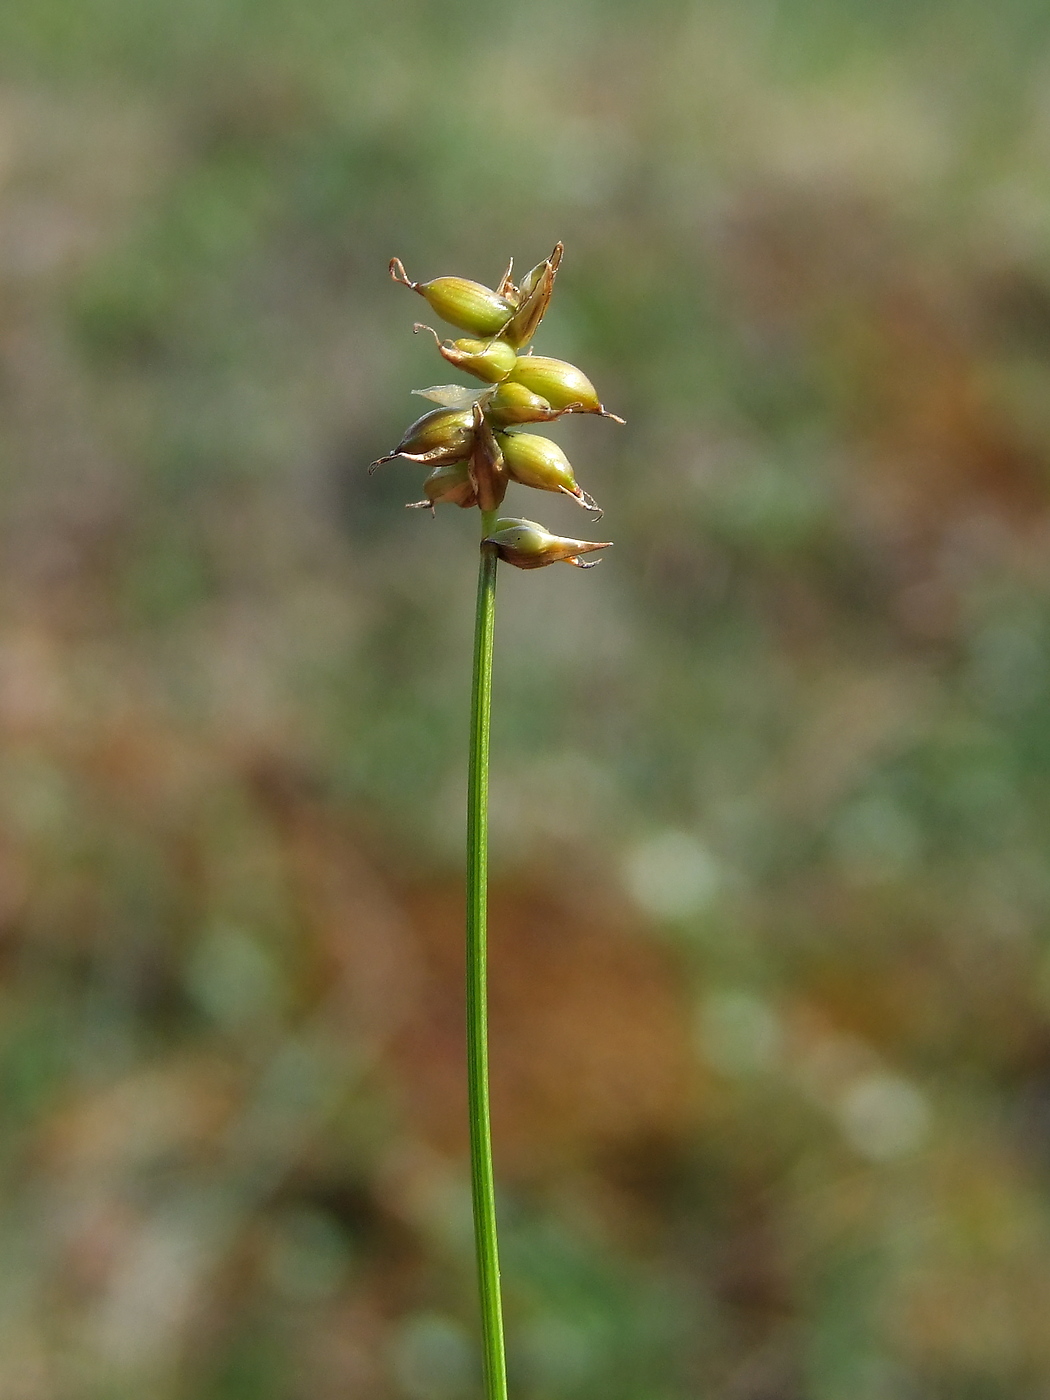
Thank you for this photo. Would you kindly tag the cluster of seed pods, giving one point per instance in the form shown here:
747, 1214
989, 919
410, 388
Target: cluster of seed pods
475, 443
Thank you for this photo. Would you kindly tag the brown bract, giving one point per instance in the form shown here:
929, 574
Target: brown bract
534, 296
487, 471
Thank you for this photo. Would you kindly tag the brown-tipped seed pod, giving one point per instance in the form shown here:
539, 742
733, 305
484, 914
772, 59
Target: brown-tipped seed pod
469, 305
443, 435
513, 403
488, 472
561, 384
491, 360
527, 545
535, 461
533, 296
450, 482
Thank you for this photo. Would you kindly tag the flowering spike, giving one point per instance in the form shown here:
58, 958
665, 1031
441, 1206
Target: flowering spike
471, 441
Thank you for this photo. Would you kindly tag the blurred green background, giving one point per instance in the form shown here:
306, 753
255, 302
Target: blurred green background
771, 805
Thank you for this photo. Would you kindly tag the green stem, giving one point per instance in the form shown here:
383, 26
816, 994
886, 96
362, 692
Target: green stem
483, 1191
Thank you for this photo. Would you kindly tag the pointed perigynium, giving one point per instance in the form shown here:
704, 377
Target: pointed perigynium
469, 305
527, 545
491, 360
451, 482
561, 384
472, 442
536, 461
512, 403
443, 435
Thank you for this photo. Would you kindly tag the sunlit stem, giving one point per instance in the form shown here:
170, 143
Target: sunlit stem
483, 1192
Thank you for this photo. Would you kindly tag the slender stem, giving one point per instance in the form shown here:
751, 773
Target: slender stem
483, 1191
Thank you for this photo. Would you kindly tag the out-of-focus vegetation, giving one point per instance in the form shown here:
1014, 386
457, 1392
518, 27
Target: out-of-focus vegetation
771, 1001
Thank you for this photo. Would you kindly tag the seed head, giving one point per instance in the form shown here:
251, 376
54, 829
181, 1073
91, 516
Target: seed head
472, 441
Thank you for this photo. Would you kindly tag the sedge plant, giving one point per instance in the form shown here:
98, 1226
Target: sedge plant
474, 444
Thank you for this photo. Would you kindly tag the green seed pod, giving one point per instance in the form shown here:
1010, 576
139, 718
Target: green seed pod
443, 435
450, 482
527, 545
561, 384
513, 403
533, 297
536, 461
462, 303
491, 360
